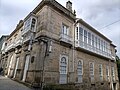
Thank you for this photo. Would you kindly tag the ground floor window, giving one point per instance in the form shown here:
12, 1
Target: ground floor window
80, 71
63, 69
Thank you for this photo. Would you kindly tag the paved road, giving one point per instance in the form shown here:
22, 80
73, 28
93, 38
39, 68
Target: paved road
8, 84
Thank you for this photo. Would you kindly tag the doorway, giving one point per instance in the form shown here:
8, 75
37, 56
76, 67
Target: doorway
16, 66
26, 67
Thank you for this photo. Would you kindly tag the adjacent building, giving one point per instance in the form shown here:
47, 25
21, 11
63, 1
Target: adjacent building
52, 46
2, 46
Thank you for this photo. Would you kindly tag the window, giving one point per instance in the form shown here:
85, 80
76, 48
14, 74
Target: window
89, 38
63, 65
27, 24
102, 45
99, 43
85, 38
107, 72
93, 41
80, 71
81, 33
91, 66
63, 69
65, 29
33, 24
96, 42
113, 73
100, 72
81, 36
77, 33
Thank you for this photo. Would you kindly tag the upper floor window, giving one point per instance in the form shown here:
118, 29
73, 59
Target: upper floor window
100, 72
30, 23
85, 36
99, 44
93, 40
65, 29
89, 38
96, 42
33, 24
81, 33
102, 45
77, 33
27, 24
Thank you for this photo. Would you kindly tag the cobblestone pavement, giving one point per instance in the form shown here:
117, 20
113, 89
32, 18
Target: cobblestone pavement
8, 84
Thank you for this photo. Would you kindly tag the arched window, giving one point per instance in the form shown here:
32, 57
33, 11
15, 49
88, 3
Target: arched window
80, 70
63, 65
63, 69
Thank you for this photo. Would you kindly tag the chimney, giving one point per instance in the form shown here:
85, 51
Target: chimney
69, 6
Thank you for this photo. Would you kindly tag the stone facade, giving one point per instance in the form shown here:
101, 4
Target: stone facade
47, 52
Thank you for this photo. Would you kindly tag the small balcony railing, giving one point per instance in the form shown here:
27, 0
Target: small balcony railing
65, 38
10, 46
19, 42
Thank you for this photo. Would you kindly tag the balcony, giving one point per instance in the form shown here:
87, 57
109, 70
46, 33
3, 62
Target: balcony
10, 47
90, 48
66, 39
19, 42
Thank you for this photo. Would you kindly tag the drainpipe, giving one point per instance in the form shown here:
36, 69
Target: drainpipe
74, 26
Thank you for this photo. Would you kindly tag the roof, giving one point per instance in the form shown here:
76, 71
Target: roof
19, 25
93, 29
55, 5
4, 36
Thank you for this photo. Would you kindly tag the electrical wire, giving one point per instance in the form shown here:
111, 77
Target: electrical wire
109, 24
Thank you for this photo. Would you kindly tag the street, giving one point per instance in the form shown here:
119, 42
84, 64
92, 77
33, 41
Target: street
8, 84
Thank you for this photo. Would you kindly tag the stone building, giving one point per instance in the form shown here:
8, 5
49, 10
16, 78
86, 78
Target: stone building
52, 46
2, 45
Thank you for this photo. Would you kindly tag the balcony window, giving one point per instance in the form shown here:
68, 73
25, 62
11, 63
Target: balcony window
89, 40
102, 45
93, 42
81, 36
77, 33
96, 42
85, 38
27, 24
65, 29
33, 24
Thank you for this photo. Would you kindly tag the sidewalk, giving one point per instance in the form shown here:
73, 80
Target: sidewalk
8, 84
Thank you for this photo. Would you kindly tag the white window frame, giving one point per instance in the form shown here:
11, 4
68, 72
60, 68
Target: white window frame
91, 75
65, 30
90, 68
107, 72
61, 56
101, 73
82, 66
113, 72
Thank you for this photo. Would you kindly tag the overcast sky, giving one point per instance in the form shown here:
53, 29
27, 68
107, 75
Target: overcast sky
97, 13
